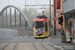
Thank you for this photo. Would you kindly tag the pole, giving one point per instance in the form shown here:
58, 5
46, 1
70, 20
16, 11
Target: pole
62, 31
2, 20
10, 19
43, 12
15, 17
25, 14
20, 20
50, 12
6, 18
54, 16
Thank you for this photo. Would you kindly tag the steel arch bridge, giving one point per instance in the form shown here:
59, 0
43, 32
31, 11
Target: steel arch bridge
21, 14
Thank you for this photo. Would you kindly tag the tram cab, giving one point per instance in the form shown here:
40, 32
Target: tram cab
41, 28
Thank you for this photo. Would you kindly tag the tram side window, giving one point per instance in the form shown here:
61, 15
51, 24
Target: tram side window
39, 25
46, 28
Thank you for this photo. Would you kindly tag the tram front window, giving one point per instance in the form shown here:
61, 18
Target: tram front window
39, 25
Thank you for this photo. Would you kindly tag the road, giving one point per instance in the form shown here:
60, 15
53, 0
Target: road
10, 40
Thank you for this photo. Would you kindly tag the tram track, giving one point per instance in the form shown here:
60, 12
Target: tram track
29, 46
5, 46
43, 45
35, 48
34, 45
28, 33
15, 46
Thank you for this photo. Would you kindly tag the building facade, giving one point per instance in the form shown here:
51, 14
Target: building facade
59, 10
69, 17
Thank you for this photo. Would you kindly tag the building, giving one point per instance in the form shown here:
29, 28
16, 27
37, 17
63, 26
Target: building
59, 10
69, 18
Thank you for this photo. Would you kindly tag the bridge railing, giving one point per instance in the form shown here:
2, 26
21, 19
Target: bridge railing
10, 21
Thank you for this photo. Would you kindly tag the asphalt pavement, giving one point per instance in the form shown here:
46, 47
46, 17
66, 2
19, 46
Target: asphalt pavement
56, 40
11, 36
10, 40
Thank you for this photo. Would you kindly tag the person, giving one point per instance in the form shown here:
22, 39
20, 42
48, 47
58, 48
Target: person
71, 38
63, 33
70, 24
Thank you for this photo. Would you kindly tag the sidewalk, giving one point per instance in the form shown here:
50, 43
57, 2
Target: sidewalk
56, 40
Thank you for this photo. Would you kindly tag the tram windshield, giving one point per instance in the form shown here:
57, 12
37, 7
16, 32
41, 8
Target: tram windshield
39, 25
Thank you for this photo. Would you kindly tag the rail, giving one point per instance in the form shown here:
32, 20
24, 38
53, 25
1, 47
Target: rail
15, 46
5, 46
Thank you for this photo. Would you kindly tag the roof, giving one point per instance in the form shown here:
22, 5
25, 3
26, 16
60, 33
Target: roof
42, 16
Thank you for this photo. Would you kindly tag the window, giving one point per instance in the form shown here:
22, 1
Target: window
58, 4
39, 25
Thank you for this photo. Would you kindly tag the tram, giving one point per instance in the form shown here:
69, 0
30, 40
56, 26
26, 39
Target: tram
41, 27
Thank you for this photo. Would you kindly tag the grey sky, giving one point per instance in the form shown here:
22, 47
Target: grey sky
3, 3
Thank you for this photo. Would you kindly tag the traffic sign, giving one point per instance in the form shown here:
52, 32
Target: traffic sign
52, 5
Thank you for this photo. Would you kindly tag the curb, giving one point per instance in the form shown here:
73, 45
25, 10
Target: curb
56, 47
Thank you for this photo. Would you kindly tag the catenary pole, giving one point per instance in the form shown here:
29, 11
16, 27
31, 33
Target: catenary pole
54, 16
50, 16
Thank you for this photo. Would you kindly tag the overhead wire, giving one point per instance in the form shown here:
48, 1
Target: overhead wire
18, 3
23, 5
37, 1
